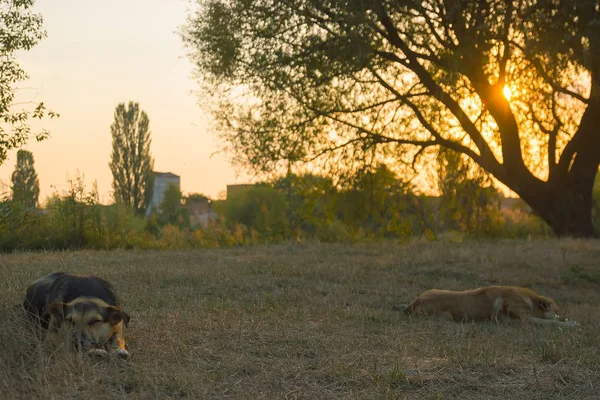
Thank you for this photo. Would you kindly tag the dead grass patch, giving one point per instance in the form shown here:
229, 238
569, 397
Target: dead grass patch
313, 321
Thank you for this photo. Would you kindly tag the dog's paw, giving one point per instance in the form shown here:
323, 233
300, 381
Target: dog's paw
101, 353
121, 353
571, 324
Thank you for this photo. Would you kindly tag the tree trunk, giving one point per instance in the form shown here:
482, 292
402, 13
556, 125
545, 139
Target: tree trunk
565, 201
569, 213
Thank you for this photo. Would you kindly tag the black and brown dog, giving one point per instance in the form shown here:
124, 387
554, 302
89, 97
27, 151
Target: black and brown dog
84, 310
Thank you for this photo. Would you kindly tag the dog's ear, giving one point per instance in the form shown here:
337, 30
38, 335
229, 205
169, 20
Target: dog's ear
57, 310
126, 319
544, 305
116, 315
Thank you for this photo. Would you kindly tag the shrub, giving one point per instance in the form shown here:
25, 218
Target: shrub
259, 208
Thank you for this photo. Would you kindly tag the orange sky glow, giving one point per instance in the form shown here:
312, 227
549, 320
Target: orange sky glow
96, 55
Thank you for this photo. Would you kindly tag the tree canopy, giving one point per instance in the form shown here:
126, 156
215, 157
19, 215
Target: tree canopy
171, 210
512, 85
20, 29
195, 198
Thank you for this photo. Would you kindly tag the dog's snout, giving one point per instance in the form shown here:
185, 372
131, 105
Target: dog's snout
80, 342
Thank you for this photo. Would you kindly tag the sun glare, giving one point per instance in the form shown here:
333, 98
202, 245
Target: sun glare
506, 92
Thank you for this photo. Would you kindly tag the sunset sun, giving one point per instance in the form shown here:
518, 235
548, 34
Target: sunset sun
506, 91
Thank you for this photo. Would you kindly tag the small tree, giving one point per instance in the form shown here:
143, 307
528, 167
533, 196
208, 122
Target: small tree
25, 183
377, 201
310, 201
469, 201
171, 210
261, 208
196, 198
131, 162
20, 29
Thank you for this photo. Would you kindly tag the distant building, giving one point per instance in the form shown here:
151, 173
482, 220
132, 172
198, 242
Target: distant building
201, 214
162, 180
236, 188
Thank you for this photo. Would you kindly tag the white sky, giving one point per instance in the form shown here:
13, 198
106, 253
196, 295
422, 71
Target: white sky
98, 54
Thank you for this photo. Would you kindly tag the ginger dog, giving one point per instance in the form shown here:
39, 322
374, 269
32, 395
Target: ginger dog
489, 303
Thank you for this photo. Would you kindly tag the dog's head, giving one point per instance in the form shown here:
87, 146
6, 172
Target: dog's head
86, 321
545, 307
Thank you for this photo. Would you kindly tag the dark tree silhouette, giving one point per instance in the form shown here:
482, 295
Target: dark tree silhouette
339, 81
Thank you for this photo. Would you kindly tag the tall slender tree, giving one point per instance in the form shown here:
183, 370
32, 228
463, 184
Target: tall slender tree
131, 161
25, 183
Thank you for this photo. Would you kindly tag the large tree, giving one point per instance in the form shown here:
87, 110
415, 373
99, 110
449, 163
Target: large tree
513, 85
131, 162
20, 29
25, 184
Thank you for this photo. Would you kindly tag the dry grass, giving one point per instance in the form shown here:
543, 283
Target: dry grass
314, 321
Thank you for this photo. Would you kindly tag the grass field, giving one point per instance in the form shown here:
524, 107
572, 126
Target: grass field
314, 321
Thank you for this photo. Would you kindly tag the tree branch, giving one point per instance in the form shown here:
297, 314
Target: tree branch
411, 62
424, 13
506, 47
537, 64
552, 135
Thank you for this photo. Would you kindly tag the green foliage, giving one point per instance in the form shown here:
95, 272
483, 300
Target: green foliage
379, 203
596, 206
196, 198
25, 183
373, 205
131, 162
171, 210
520, 223
336, 231
576, 273
309, 201
69, 221
21, 29
16, 224
469, 202
261, 208
171, 200
75, 216
119, 227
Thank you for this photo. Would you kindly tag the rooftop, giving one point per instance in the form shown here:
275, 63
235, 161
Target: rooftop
166, 174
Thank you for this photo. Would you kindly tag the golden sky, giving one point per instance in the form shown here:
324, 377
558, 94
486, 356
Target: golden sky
98, 54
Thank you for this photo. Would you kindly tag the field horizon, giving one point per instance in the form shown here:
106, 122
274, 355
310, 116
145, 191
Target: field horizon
311, 320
